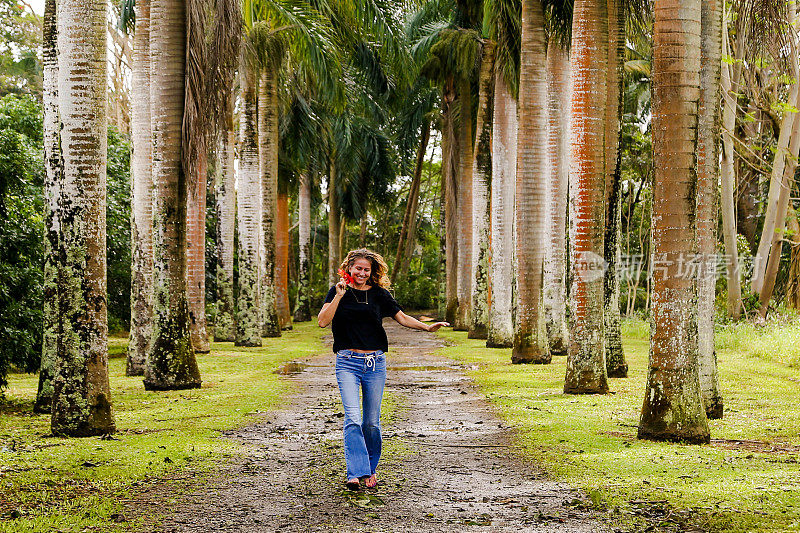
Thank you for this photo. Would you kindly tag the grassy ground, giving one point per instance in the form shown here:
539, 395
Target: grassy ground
53, 484
590, 441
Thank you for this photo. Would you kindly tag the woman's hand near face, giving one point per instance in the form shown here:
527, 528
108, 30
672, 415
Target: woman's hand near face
341, 287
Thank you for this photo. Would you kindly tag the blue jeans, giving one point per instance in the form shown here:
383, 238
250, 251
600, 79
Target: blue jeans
362, 432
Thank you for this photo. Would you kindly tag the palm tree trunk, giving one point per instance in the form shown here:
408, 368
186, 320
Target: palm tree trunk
465, 156
249, 203
501, 261
225, 196
728, 182
268, 165
141, 199
615, 357
481, 196
334, 259
530, 335
775, 210
793, 283
707, 204
586, 362
450, 155
555, 295
196, 256
412, 204
171, 362
53, 172
673, 408
282, 261
302, 311
81, 394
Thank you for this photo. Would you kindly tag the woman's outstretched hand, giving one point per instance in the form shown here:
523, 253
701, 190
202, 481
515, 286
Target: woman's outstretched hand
436, 326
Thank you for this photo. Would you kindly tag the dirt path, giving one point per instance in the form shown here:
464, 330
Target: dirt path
448, 463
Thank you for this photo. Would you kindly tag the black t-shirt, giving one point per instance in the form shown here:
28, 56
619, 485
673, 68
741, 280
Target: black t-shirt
358, 322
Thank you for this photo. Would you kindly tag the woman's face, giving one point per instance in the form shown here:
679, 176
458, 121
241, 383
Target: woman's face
361, 270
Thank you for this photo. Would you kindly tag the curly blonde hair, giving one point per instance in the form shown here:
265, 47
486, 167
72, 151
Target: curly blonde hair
378, 275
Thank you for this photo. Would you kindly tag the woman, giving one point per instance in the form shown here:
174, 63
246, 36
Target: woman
355, 307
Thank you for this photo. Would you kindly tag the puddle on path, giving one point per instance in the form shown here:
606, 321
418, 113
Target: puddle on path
292, 367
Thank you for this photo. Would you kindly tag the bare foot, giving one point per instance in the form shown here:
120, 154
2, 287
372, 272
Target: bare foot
372, 481
353, 484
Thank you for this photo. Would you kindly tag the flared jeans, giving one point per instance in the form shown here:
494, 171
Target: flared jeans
365, 374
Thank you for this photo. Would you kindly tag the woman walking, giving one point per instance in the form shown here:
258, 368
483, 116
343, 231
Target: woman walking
355, 308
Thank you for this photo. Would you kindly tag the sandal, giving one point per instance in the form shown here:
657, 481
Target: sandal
353, 484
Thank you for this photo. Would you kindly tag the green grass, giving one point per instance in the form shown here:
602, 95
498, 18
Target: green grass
590, 441
59, 484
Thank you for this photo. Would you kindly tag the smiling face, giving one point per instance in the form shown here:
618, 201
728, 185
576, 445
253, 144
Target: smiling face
361, 270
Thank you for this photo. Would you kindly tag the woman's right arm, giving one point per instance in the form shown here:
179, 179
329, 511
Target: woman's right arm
325, 316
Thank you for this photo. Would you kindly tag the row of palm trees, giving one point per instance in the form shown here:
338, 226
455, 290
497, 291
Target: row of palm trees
525, 106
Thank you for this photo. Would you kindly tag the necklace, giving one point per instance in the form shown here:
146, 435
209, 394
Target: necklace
366, 297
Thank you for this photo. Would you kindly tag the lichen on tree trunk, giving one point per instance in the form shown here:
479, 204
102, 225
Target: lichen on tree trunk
504, 167
481, 198
54, 168
225, 198
171, 362
248, 325
268, 168
530, 335
81, 393
302, 312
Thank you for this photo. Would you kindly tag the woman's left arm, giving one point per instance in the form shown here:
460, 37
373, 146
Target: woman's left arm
411, 322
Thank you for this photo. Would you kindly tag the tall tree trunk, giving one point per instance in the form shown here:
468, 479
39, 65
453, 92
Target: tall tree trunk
196, 256
728, 181
302, 311
54, 170
708, 138
334, 215
268, 165
412, 204
171, 362
615, 357
464, 177
481, 197
141, 199
81, 394
501, 246
775, 209
586, 361
450, 185
225, 197
793, 284
282, 261
673, 408
558, 95
248, 205
530, 335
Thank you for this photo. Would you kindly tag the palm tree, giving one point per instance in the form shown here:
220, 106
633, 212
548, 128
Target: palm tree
81, 396
53, 172
586, 365
673, 408
171, 362
141, 198
481, 191
302, 312
504, 20
282, 239
225, 197
196, 255
708, 130
615, 356
249, 204
558, 93
530, 337
268, 137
